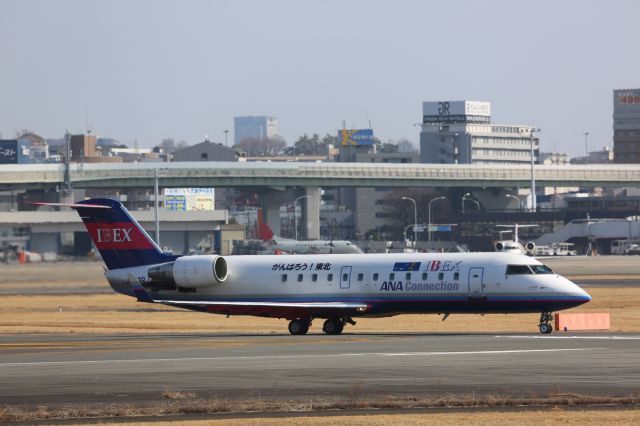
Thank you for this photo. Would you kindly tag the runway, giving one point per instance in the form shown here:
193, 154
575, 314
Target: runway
50, 369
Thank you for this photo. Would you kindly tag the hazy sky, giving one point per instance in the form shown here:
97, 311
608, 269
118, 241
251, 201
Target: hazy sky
146, 70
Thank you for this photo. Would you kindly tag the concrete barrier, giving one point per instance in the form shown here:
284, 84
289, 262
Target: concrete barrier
587, 321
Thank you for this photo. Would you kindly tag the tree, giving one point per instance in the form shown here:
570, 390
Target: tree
168, 145
405, 145
313, 145
306, 145
255, 147
388, 147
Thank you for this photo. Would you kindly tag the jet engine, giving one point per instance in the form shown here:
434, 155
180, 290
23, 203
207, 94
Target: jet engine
499, 246
191, 271
530, 246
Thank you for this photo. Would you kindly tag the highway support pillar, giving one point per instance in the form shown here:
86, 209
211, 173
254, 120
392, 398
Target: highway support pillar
311, 213
271, 202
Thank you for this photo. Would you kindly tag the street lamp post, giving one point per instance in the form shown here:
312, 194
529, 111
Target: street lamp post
586, 145
157, 220
429, 224
295, 213
515, 198
467, 197
415, 221
533, 179
405, 231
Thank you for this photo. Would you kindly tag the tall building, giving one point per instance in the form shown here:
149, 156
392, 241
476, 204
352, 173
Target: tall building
626, 126
254, 127
82, 146
461, 132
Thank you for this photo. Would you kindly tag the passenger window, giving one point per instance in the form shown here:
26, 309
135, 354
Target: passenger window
424, 276
360, 277
518, 270
456, 276
330, 277
392, 276
375, 276
314, 277
284, 278
299, 277
440, 276
407, 276
345, 277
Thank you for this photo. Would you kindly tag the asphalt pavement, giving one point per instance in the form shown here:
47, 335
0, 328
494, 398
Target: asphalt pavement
54, 369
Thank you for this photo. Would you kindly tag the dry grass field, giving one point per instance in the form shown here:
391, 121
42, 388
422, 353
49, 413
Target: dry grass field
488, 418
113, 313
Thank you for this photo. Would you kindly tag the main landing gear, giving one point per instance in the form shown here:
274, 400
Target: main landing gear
299, 326
545, 320
333, 326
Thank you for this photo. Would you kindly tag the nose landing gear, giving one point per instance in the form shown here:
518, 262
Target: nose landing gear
545, 320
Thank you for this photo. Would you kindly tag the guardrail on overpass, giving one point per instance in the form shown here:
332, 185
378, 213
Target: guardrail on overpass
257, 174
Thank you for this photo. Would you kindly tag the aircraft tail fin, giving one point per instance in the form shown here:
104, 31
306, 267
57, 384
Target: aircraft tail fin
264, 231
119, 238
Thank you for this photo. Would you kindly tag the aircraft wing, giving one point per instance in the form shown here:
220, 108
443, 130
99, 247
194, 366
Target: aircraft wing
304, 305
288, 310
268, 309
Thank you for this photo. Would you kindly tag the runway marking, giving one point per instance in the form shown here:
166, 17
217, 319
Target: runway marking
303, 356
134, 344
573, 337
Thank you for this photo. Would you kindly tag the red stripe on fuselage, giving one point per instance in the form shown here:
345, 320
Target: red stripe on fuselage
118, 236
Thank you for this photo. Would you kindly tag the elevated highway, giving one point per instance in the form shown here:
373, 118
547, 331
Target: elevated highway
257, 174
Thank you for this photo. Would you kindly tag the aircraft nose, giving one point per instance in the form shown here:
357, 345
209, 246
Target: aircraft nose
580, 292
586, 295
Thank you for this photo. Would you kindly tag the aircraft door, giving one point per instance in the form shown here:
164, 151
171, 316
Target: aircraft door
476, 285
345, 277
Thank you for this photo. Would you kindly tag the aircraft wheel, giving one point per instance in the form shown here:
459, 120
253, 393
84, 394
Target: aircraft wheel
333, 326
298, 327
545, 328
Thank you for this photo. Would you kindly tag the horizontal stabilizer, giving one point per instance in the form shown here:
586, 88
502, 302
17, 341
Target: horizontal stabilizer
71, 205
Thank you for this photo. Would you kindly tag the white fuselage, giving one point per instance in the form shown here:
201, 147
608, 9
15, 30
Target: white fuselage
391, 283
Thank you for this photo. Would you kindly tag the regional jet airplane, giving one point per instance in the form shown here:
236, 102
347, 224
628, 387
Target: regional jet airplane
336, 288
274, 243
514, 246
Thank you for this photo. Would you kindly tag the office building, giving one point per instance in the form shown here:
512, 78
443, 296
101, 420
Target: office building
461, 132
626, 126
254, 127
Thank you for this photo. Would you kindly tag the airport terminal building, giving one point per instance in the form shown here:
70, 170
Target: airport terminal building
461, 132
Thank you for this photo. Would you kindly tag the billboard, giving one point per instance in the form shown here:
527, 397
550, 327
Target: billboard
189, 199
355, 137
626, 100
456, 112
9, 152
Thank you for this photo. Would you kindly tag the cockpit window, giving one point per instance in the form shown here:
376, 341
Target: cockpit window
518, 270
541, 269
